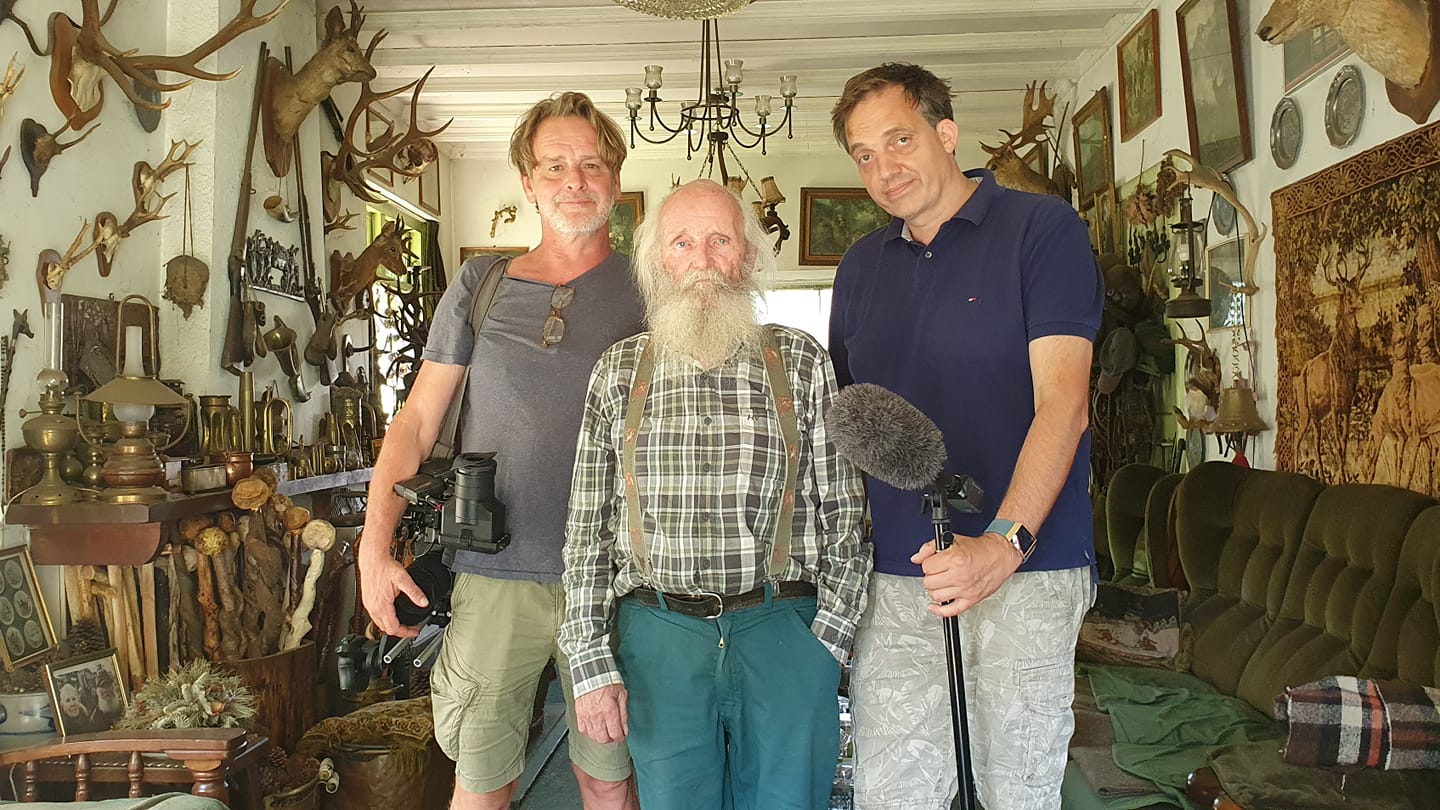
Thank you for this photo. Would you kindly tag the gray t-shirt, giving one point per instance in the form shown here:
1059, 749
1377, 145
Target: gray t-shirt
524, 403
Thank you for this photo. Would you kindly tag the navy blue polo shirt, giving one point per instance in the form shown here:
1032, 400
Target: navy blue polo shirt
947, 326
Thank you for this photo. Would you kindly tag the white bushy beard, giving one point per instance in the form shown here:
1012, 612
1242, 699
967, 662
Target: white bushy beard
703, 316
564, 225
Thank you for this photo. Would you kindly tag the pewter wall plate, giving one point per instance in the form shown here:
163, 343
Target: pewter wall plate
1285, 133
1345, 106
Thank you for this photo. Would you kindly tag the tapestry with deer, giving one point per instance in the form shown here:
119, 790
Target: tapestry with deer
1358, 321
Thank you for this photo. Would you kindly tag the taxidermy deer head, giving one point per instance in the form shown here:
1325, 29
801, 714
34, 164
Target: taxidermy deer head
349, 276
81, 57
289, 98
407, 153
38, 147
1010, 169
1392, 36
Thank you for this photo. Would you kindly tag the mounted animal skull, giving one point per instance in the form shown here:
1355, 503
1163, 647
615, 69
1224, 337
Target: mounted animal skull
407, 153
1396, 37
145, 185
81, 57
38, 147
1009, 167
290, 98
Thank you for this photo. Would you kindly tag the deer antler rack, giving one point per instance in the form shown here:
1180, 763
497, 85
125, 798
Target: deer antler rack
9, 83
406, 153
145, 184
51, 269
1039, 106
80, 57
1201, 176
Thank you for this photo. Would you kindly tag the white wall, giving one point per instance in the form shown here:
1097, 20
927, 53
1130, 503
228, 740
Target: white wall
1256, 180
95, 176
480, 186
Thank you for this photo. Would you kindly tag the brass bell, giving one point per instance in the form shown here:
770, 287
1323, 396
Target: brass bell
1237, 412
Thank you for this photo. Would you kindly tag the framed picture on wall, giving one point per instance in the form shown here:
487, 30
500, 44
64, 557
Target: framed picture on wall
25, 631
467, 253
87, 693
1094, 164
832, 219
428, 197
1038, 159
1138, 56
1102, 221
1309, 53
376, 125
624, 218
1226, 272
1214, 78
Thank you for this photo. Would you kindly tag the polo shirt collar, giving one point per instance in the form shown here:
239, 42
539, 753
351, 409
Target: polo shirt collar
973, 211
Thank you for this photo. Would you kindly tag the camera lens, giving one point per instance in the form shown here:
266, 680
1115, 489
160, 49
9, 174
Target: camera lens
474, 488
435, 581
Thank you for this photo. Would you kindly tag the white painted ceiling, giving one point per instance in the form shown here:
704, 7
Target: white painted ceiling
494, 58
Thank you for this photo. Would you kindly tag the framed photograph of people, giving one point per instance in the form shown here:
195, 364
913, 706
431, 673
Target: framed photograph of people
25, 631
1094, 164
1214, 78
87, 693
1138, 56
624, 217
832, 219
471, 252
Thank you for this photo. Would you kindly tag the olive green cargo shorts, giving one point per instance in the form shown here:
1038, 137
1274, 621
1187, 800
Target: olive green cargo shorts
483, 687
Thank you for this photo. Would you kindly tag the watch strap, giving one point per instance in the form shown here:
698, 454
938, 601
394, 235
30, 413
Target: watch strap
1012, 531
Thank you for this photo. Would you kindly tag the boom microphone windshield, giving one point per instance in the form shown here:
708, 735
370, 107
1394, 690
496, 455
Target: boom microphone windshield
886, 437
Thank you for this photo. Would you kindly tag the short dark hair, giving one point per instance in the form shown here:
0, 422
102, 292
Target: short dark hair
929, 93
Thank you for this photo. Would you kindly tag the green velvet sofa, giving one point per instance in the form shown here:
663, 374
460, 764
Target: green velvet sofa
1289, 581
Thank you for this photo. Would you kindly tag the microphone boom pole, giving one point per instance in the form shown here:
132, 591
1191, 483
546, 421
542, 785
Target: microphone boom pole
954, 660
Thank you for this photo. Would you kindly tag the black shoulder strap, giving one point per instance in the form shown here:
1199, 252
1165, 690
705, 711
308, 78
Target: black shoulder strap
446, 440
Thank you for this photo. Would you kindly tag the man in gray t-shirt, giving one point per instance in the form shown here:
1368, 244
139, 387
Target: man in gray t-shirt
557, 308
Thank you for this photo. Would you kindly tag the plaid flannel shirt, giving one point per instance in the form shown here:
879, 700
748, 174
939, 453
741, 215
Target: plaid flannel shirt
711, 466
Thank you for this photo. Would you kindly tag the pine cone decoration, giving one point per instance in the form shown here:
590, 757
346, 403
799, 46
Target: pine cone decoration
276, 758
86, 637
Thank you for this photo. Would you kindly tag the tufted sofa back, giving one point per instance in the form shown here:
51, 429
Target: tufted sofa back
1340, 582
1126, 499
1238, 531
1407, 637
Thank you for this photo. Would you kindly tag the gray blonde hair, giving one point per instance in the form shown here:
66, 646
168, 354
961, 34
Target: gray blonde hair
649, 262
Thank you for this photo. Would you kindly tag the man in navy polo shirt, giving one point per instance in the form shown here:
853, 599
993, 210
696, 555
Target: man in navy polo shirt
979, 305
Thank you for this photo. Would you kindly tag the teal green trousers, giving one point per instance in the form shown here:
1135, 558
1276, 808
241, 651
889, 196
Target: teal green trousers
734, 713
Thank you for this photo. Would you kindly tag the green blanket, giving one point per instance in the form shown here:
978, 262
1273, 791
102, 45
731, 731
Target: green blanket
1256, 777
1166, 725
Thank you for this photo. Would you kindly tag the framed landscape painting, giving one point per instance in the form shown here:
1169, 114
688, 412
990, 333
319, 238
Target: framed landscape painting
1094, 164
1214, 78
1138, 55
832, 219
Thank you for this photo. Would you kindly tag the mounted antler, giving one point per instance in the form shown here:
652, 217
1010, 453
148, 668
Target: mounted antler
79, 54
145, 184
51, 269
406, 153
9, 84
349, 276
1005, 161
289, 98
1201, 176
38, 147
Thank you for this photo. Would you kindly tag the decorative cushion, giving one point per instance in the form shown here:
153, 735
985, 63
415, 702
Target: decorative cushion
1343, 721
1136, 625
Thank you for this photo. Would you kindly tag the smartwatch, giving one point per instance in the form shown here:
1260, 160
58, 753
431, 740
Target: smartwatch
1017, 535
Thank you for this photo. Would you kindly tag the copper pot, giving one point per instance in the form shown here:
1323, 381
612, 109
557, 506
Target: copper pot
239, 464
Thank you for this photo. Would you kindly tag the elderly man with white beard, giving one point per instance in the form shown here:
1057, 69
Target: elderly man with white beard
715, 567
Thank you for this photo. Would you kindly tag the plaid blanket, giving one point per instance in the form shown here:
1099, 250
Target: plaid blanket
1344, 721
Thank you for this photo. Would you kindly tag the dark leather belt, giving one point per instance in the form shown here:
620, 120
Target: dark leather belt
713, 606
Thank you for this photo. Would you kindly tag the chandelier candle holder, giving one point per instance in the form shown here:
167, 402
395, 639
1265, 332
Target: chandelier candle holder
713, 119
